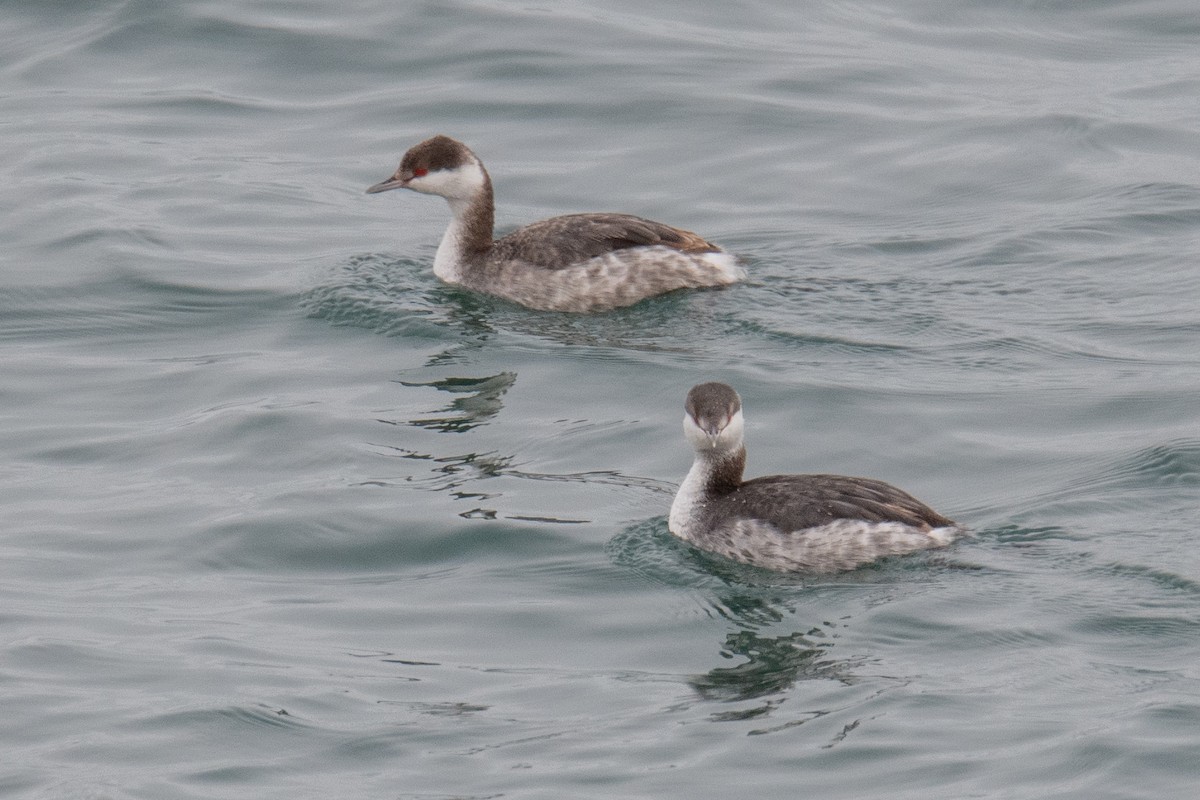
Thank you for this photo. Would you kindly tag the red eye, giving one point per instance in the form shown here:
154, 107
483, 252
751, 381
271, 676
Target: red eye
420, 172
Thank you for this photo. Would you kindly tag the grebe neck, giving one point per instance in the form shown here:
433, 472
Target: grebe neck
720, 472
468, 237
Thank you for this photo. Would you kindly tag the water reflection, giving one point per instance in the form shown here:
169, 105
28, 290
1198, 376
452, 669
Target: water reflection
756, 604
772, 664
476, 401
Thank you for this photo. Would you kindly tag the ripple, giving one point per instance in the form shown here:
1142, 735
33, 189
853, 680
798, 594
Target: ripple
1165, 466
390, 297
256, 716
409, 547
1175, 463
125, 304
651, 551
1173, 584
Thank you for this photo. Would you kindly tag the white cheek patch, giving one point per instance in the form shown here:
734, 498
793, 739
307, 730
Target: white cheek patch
460, 183
692, 432
733, 432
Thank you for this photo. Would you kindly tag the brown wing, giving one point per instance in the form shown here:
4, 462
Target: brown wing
562, 241
795, 502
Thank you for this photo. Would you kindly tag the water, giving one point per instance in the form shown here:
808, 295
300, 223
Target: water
284, 517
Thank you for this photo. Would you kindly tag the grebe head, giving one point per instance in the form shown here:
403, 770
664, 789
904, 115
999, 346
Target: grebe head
713, 420
440, 166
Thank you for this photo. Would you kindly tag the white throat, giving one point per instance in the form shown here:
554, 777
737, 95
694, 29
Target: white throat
463, 182
448, 263
689, 500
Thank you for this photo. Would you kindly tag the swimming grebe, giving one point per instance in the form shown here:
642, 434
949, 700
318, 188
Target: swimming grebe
788, 523
578, 262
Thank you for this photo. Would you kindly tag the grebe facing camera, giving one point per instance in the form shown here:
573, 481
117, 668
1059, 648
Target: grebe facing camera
788, 523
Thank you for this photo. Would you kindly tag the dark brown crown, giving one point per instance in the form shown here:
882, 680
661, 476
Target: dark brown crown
437, 153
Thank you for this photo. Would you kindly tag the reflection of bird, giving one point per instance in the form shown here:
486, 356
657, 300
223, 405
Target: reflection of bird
478, 400
774, 664
788, 522
578, 262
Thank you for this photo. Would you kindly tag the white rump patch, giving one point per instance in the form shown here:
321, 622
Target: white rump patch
727, 265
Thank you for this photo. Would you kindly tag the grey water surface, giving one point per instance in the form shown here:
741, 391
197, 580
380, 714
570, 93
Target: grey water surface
284, 517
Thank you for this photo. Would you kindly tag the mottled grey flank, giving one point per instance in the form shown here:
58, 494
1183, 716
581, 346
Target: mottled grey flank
612, 280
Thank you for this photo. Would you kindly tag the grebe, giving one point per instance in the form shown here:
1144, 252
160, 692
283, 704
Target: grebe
788, 523
577, 262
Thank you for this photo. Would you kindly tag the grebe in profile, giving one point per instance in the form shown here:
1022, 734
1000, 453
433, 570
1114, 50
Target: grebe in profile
788, 523
578, 262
